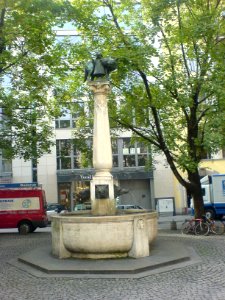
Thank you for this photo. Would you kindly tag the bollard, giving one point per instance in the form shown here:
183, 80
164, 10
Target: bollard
173, 225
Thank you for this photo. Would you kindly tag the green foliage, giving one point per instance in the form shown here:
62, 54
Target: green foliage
31, 65
169, 86
170, 75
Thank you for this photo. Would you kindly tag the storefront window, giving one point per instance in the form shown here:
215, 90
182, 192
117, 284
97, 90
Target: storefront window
81, 194
64, 194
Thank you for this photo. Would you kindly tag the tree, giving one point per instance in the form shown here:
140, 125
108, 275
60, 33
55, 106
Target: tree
31, 66
170, 76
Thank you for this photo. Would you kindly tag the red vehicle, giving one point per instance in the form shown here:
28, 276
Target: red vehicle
22, 206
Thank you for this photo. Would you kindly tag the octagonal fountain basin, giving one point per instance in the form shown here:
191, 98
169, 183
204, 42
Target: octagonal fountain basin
82, 235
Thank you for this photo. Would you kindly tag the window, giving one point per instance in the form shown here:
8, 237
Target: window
115, 153
128, 153
71, 155
142, 154
77, 154
203, 192
5, 164
67, 120
64, 154
134, 154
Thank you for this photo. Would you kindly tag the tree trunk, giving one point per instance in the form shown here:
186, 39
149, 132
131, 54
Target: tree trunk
196, 192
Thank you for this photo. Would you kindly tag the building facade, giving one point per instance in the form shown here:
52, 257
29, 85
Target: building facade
63, 177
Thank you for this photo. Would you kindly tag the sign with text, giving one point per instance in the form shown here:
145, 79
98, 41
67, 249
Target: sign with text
20, 203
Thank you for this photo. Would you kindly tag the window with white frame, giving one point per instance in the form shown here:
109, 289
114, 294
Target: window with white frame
72, 155
135, 154
67, 120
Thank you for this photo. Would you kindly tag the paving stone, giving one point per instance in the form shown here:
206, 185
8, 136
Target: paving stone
204, 280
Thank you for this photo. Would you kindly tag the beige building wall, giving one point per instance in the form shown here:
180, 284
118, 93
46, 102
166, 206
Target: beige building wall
180, 196
47, 176
166, 185
22, 170
163, 178
214, 165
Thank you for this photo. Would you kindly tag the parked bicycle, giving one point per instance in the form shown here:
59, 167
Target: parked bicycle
195, 226
215, 226
203, 226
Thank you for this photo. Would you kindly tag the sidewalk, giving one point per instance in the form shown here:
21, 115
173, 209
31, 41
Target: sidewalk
164, 222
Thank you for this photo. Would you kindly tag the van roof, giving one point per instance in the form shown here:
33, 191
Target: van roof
19, 185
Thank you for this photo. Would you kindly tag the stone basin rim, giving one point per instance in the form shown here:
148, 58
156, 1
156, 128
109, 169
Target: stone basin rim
67, 217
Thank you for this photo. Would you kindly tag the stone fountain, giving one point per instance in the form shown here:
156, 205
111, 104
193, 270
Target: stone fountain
103, 232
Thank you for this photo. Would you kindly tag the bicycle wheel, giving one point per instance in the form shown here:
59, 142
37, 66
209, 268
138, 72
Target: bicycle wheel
202, 228
185, 228
217, 227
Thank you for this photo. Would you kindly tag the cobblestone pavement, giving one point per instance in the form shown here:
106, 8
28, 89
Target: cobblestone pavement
205, 280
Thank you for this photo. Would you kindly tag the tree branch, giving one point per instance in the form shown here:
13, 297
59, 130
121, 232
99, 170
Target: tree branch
172, 62
217, 3
2, 70
181, 43
138, 132
2, 40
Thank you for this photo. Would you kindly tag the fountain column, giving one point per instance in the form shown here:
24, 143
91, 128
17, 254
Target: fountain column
102, 189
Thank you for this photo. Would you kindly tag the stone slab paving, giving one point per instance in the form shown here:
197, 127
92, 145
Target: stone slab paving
165, 255
203, 280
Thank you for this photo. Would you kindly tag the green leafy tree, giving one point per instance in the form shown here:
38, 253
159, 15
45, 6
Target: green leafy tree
32, 65
170, 81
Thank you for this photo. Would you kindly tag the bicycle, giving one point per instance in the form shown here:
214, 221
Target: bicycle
195, 226
215, 226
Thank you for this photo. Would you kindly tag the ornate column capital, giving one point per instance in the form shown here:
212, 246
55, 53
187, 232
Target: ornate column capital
99, 87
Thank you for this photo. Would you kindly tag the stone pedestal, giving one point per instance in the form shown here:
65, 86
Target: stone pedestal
102, 190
